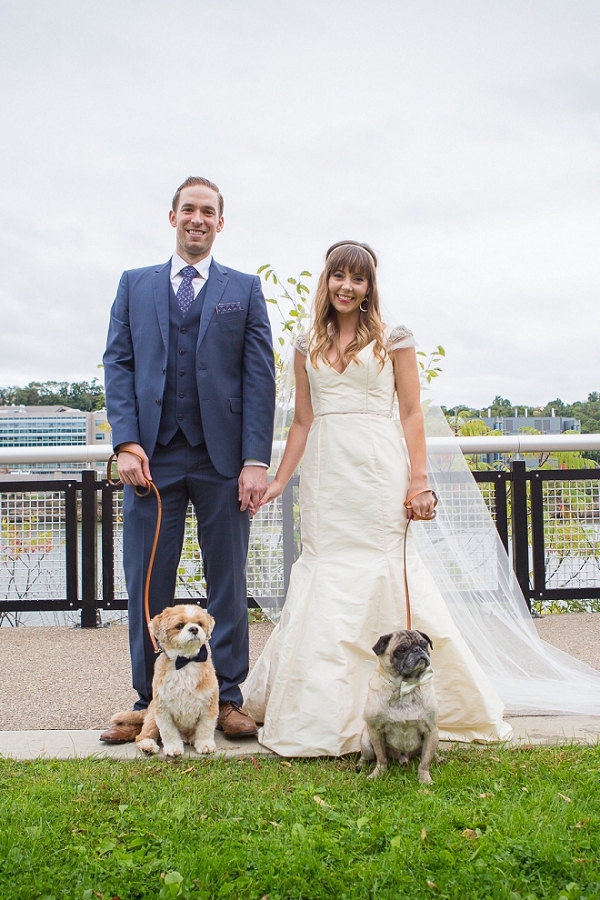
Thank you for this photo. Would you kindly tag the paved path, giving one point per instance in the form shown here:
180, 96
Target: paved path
61, 685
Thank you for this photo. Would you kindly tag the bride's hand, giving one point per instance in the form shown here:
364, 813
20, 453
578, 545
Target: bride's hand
275, 489
423, 504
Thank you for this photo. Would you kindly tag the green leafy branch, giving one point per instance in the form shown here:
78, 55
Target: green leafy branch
292, 305
428, 364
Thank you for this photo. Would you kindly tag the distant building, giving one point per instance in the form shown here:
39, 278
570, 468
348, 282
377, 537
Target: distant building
51, 426
543, 424
514, 425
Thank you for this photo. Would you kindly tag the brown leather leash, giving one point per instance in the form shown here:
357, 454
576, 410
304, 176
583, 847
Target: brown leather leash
150, 486
408, 505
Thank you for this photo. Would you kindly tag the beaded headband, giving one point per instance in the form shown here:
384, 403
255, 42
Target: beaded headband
351, 244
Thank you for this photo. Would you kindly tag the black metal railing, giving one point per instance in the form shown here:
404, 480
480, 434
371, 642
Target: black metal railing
525, 520
534, 512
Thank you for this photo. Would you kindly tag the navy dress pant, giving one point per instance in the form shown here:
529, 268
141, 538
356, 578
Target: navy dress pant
182, 473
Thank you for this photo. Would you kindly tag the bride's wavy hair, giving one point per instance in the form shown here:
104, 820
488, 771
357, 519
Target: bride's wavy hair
359, 259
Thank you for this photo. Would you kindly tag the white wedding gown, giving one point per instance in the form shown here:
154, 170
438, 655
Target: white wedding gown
346, 589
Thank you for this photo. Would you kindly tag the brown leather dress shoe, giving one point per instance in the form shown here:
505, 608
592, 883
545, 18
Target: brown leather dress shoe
120, 734
235, 723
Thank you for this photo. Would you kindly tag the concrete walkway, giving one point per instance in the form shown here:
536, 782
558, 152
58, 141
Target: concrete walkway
527, 730
61, 685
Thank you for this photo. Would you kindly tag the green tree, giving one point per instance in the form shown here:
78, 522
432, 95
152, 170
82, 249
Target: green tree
86, 396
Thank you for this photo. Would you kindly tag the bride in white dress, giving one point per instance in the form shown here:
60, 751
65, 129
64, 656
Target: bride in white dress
347, 588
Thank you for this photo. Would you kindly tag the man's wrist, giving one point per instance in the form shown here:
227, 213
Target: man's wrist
125, 446
255, 462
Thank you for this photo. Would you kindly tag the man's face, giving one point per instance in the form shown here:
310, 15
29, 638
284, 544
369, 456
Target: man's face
196, 222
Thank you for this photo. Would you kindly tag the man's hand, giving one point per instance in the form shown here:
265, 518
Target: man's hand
252, 484
133, 469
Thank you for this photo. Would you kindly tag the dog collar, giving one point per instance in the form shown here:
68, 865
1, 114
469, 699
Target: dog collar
407, 687
201, 656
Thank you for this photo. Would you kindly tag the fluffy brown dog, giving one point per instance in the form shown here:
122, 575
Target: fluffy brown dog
185, 690
401, 708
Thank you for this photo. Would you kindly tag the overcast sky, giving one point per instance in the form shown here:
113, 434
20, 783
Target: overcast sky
460, 138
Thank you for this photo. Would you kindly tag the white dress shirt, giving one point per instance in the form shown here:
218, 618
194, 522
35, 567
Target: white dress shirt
202, 267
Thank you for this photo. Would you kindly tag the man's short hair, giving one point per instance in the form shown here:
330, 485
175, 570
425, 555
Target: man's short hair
193, 181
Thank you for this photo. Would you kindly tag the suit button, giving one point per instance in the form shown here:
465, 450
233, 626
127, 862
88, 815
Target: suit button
180, 416
181, 372
183, 330
182, 352
181, 394
163, 370
158, 402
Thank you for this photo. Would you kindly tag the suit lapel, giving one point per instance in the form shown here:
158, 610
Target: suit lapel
217, 282
161, 285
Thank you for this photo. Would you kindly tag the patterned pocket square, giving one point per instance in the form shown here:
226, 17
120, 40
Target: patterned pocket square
228, 307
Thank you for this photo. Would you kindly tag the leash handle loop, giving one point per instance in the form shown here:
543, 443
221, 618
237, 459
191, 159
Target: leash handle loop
141, 492
408, 504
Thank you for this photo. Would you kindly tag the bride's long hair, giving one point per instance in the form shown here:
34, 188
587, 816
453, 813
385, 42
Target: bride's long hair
324, 334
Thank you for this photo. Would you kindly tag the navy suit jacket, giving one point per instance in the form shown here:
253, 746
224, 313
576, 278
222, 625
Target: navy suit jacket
234, 364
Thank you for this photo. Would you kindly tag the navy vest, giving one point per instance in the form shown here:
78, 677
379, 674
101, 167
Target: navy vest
181, 404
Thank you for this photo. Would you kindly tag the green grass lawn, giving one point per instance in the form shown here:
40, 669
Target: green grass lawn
496, 823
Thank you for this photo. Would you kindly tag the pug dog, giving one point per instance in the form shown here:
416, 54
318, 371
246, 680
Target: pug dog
401, 708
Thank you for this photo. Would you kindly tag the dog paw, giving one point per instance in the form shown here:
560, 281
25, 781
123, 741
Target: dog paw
205, 746
377, 771
425, 777
173, 749
148, 745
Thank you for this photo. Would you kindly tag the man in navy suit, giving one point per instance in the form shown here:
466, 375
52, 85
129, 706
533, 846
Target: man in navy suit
190, 394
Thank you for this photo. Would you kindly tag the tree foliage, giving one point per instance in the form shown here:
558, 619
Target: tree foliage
86, 396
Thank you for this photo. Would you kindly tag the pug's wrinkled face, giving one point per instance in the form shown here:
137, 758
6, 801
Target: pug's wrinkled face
404, 653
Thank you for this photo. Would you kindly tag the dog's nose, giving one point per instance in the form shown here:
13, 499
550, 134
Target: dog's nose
193, 629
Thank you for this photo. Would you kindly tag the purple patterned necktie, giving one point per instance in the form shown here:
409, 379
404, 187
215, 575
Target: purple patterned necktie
185, 291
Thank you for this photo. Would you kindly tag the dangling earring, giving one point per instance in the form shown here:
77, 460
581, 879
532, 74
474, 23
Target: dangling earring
366, 307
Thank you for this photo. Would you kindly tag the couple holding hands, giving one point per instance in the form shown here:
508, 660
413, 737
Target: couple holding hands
190, 390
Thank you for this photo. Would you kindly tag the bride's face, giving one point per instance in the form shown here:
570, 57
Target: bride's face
347, 290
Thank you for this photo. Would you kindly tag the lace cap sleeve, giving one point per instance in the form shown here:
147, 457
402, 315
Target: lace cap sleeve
301, 344
400, 338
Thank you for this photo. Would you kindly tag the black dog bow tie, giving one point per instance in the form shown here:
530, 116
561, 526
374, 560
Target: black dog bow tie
201, 656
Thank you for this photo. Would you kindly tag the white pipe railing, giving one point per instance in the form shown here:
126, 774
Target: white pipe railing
518, 443
525, 443
79, 454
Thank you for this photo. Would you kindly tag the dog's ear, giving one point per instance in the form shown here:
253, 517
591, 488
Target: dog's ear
210, 624
427, 638
157, 628
382, 644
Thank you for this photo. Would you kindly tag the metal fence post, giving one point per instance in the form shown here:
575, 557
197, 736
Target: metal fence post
537, 535
108, 545
89, 549
71, 561
501, 508
519, 527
